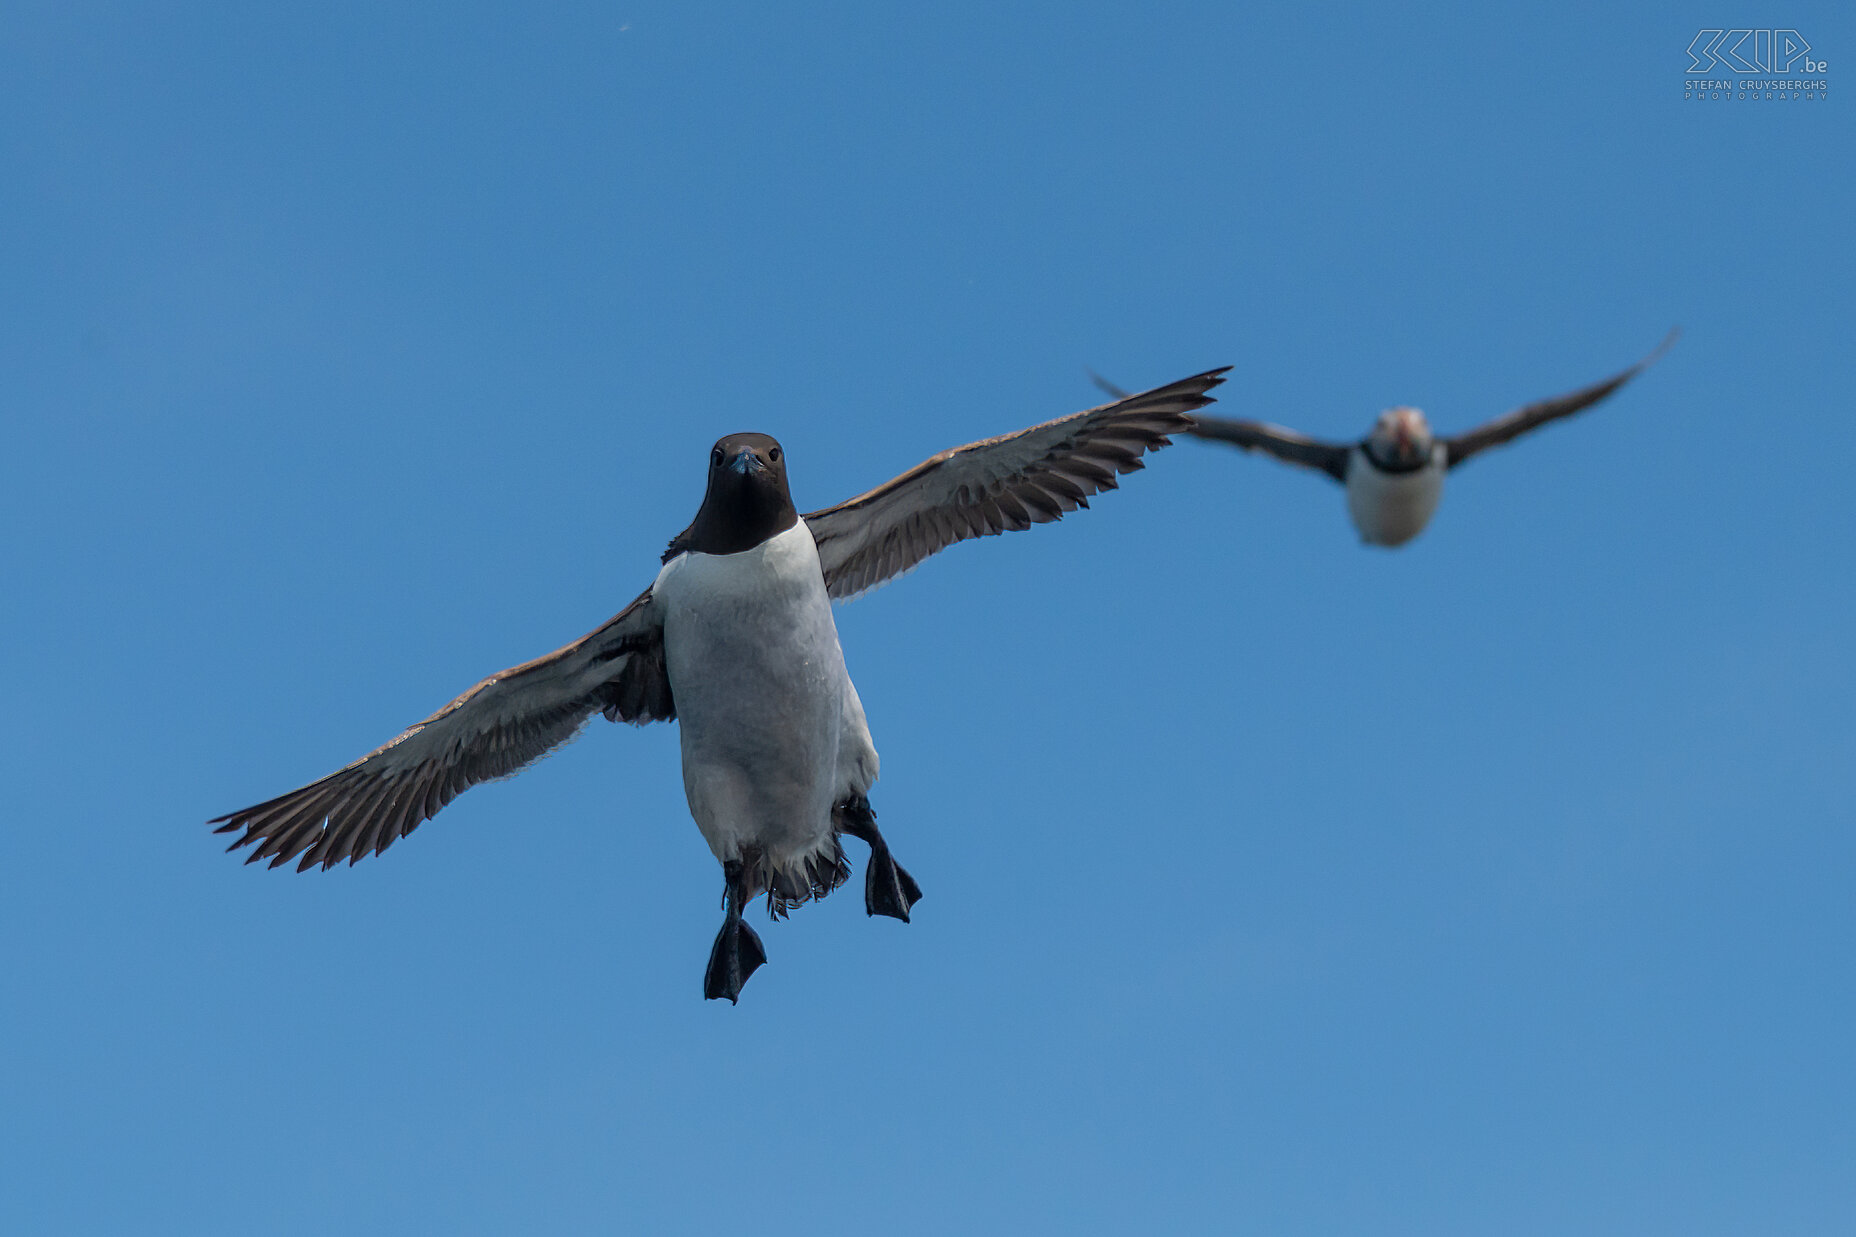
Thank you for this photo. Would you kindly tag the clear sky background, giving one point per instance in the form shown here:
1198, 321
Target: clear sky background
1502, 883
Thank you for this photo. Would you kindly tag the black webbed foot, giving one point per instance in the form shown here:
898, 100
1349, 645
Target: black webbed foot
736, 955
888, 888
737, 952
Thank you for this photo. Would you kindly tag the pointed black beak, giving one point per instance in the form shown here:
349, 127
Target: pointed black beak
746, 461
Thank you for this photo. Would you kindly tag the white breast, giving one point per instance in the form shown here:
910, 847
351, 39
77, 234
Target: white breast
772, 732
1392, 508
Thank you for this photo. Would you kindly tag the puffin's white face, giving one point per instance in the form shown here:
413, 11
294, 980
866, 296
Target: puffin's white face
1401, 436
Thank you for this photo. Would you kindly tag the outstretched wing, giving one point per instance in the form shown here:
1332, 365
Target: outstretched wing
997, 485
1108, 388
491, 731
1284, 444
1531, 416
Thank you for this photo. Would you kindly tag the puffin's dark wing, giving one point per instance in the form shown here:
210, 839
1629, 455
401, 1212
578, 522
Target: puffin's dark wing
997, 485
490, 731
1108, 388
1523, 419
1296, 448
1284, 444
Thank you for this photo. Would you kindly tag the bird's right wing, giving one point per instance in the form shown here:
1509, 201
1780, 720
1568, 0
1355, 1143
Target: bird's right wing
1108, 388
491, 731
1284, 444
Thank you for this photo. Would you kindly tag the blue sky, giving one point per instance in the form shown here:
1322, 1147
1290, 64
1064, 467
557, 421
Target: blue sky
1498, 884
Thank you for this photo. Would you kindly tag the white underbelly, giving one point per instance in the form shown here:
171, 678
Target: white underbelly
765, 708
1392, 508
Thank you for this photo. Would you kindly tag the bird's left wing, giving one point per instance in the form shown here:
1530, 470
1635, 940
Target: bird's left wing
491, 731
1531, 416
997, 485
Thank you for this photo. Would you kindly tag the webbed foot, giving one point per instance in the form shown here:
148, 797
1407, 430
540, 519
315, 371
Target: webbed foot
888, 888
737, 952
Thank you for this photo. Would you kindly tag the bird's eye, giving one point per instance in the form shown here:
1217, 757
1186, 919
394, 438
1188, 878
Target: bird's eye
715, 457
774, 455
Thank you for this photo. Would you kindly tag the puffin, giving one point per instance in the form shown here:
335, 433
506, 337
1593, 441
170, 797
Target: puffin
735, 641
1395, 475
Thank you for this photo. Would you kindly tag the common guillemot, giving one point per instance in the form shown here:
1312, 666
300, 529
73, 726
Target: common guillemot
735, 639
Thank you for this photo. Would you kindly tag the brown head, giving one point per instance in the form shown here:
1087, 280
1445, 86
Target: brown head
747, 500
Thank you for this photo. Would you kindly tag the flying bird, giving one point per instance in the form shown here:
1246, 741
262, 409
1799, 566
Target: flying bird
735, 640
1395, 475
